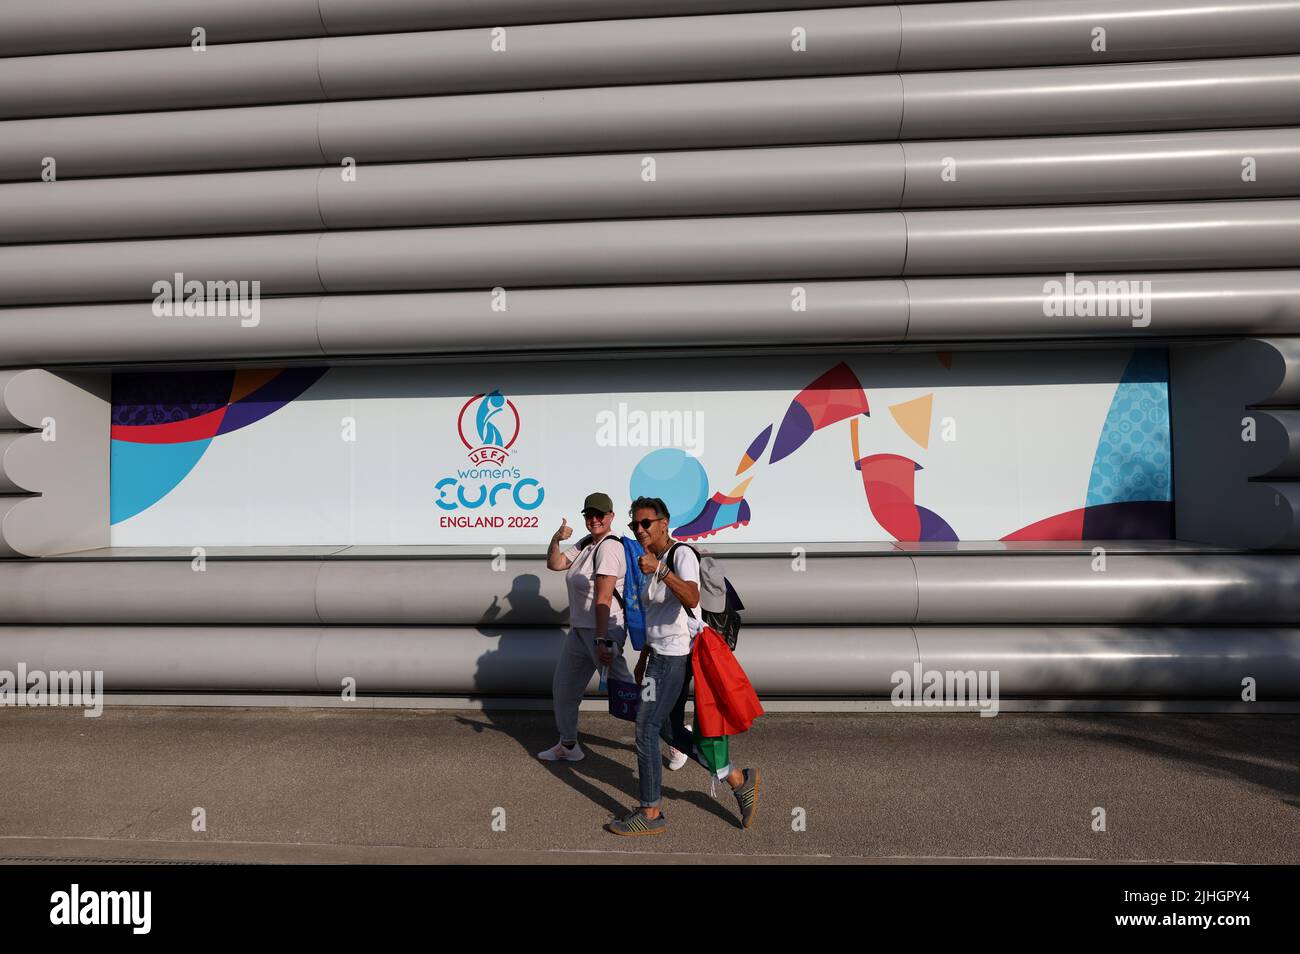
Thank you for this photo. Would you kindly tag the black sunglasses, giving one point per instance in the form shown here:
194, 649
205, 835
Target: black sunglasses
645, 524
593, 513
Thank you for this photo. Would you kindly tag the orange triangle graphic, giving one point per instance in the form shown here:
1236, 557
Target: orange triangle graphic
914, 418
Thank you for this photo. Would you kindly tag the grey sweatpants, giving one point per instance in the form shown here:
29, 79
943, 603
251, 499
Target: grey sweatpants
573, 672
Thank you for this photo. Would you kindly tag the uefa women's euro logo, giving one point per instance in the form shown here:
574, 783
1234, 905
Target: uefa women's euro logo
495, 427
488, 425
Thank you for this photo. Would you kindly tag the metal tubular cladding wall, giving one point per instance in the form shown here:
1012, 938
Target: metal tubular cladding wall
849, 651
1026, 31
1255, 91
1234, 491
618, 52
919, 168
705, 182
836, 661
1265, 301
1132, 236
53, 462
931, 589
71, 25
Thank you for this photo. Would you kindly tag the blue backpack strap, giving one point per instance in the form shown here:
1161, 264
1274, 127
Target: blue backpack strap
633, 611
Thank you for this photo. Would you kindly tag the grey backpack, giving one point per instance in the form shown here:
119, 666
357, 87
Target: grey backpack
720, 604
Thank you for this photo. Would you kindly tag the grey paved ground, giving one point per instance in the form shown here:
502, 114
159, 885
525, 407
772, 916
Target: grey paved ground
395, 785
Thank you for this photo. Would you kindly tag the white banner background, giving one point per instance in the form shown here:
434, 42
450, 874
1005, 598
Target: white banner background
1026, 427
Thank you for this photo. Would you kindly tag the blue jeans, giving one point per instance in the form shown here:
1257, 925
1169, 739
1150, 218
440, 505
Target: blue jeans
661, 718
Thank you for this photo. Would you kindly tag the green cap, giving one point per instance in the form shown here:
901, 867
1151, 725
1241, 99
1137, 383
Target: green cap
599, 502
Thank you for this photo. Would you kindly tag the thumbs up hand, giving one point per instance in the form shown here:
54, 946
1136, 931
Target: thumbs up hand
565, 530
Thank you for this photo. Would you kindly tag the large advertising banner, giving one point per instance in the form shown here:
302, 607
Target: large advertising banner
903, 446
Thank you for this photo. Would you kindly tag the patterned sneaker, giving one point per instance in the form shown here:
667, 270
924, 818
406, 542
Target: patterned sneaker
747, 797
635, 823
558, 753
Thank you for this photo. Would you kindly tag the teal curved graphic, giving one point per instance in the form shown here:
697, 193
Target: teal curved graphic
144, 473
1132, 461
488, 408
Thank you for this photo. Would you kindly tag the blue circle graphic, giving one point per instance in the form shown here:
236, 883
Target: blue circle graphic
675, 477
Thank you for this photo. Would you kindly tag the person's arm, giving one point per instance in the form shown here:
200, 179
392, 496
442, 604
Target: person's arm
555, 558
609, 566
604, 594
686, 589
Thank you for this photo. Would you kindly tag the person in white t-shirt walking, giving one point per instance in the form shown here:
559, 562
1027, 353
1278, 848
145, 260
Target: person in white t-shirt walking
594, 577
672, 586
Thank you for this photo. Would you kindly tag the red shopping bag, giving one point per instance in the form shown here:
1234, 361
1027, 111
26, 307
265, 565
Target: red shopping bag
725, 702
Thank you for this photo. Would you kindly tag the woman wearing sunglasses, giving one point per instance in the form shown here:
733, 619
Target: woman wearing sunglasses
594, 575
672, 585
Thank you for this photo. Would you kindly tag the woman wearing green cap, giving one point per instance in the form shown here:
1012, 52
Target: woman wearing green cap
594, 575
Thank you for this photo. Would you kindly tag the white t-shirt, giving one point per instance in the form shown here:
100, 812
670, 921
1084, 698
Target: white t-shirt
668, 627
581, 583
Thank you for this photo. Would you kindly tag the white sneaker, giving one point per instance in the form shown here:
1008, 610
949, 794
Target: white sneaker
676, 759
558, 753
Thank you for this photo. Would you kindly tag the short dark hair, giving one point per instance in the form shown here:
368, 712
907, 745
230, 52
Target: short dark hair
649, 503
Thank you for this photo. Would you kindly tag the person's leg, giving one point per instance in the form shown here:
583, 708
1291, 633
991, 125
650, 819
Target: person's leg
572, 674
674, 730
664, 676
682, 739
